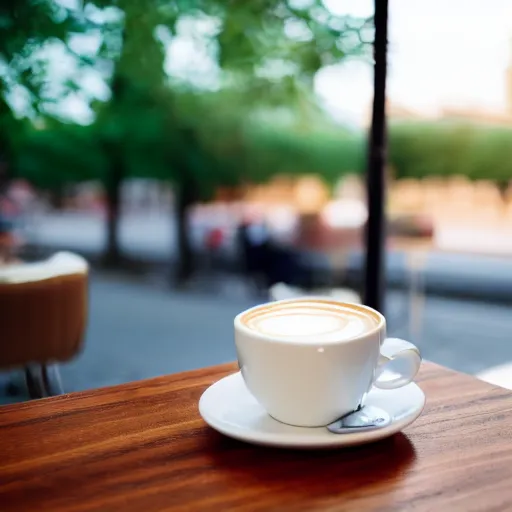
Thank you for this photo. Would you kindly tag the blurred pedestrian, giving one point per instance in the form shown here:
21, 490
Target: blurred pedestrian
9, 242
213, 242
253, 243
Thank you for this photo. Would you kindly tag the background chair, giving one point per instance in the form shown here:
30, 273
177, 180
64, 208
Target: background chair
43, 313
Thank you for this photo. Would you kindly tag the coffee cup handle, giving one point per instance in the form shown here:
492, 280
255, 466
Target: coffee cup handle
399, 363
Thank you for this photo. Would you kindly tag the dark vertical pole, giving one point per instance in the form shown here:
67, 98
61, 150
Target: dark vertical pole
375, 232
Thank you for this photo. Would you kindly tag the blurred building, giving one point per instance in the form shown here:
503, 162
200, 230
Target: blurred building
470, 114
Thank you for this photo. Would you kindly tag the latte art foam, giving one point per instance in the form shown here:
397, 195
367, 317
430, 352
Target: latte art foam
304, 320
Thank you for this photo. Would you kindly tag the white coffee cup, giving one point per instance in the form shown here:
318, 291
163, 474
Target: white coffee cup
310, 379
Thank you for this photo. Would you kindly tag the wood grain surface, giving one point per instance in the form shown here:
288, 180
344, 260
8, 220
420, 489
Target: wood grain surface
143, 447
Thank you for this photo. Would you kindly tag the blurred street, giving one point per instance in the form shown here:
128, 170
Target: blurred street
139, 330
152, 238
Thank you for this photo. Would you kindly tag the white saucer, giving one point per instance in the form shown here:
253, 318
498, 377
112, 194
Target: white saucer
228, 407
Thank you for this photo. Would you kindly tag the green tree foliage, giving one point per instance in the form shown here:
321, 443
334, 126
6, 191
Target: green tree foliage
59, 155
265, 53
26, 27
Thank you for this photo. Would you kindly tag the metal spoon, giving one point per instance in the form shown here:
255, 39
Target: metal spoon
364, 418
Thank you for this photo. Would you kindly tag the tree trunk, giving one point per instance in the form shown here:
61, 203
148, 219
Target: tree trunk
112, 257
7, 124
4, 173
185, 265
375, 229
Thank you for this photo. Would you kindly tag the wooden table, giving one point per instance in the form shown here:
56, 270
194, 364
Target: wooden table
143, 447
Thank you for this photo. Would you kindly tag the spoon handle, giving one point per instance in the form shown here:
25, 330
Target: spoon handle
365, 419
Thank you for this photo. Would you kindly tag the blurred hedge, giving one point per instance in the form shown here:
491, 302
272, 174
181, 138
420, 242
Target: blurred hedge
329, 154
417, 150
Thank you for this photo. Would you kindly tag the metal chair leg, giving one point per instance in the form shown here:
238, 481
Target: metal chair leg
43, 381
51, 380
34, 382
